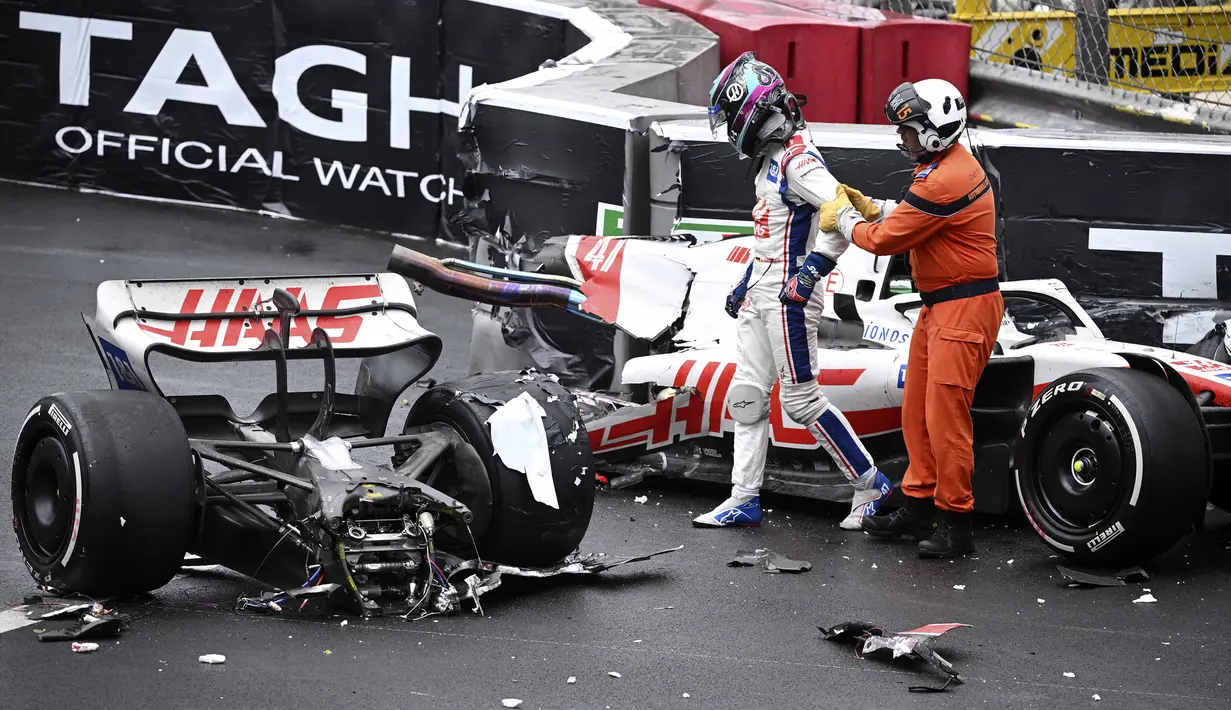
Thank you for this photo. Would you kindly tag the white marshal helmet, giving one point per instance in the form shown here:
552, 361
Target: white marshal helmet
934, 108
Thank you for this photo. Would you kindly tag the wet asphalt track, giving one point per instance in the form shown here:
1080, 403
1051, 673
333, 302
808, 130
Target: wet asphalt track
684, 623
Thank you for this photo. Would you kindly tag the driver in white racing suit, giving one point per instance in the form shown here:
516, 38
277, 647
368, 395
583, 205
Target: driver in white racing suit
777, 313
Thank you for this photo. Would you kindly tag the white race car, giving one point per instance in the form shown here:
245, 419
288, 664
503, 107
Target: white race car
1111, 449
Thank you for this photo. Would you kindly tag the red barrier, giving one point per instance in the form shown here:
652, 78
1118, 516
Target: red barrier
846, 58
894, 48
905, 48
817, 57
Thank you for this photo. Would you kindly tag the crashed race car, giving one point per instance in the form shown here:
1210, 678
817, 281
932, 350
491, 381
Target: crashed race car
1111, 450
112, 489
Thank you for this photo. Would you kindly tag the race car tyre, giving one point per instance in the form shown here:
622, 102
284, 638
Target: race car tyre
521, 530
1111, 468
103, 491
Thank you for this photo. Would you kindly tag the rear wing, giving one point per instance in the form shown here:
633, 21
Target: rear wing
211, 320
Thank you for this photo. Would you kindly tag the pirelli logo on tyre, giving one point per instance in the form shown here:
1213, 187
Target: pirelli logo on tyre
1050, 392
1105, 537
61, 421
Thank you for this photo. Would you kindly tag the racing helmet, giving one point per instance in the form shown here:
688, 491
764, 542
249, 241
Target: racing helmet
934, 108
752, 100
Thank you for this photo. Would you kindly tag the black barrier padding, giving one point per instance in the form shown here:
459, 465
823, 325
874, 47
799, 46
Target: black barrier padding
1120, 186
371, 185
498, 44
356, 181
1060, 249
512, 42
1126, 321
574, 39
718, 185
1144, 322
546, 172
33, 113
451, 165
218, 160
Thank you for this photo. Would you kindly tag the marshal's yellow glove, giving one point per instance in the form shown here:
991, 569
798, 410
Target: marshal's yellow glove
863, 203
829, 211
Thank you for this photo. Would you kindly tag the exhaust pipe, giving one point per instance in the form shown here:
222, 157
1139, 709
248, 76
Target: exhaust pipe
430, 272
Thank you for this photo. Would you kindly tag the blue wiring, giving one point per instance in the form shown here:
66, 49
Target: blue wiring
439, 575
311, 580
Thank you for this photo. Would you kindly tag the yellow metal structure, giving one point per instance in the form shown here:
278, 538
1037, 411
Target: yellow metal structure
1158, 50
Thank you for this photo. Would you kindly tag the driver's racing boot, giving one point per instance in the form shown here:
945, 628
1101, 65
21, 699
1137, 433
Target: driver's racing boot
871, 490
734, 511
917, 519
953, 537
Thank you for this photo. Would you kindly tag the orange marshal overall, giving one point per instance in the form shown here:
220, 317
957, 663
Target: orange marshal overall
947, 221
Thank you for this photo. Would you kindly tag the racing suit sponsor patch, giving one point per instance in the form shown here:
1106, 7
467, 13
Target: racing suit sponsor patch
808, 161
760, 219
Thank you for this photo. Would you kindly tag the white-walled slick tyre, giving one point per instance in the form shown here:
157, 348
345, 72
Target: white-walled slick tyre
1111, 468
104, 492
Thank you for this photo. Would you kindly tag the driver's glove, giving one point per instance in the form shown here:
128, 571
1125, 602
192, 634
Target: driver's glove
735, 298
798, 288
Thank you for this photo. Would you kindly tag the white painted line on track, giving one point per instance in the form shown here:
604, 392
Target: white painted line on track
14, 619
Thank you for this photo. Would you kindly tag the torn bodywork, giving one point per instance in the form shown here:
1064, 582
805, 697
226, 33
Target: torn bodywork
916, 643
674, 359
771, 562
490, 475
459, 584
1094, 578
392, 539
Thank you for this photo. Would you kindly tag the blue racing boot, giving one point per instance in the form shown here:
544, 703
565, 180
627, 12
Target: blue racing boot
733, 511
870, 491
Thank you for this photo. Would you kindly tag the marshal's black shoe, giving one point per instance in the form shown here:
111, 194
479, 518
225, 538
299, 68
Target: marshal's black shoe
954, 537
916, 519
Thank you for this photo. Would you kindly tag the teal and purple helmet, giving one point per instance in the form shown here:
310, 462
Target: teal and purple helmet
752, 100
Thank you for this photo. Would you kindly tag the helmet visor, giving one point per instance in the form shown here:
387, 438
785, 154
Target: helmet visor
905, 104
718, 120
731, 104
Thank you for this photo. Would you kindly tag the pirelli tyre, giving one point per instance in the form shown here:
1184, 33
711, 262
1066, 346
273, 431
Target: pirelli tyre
104, 492
521, 530
1112, 467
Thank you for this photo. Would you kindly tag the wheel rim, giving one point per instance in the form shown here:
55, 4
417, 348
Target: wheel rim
49, 497
454, 486
1079, 470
